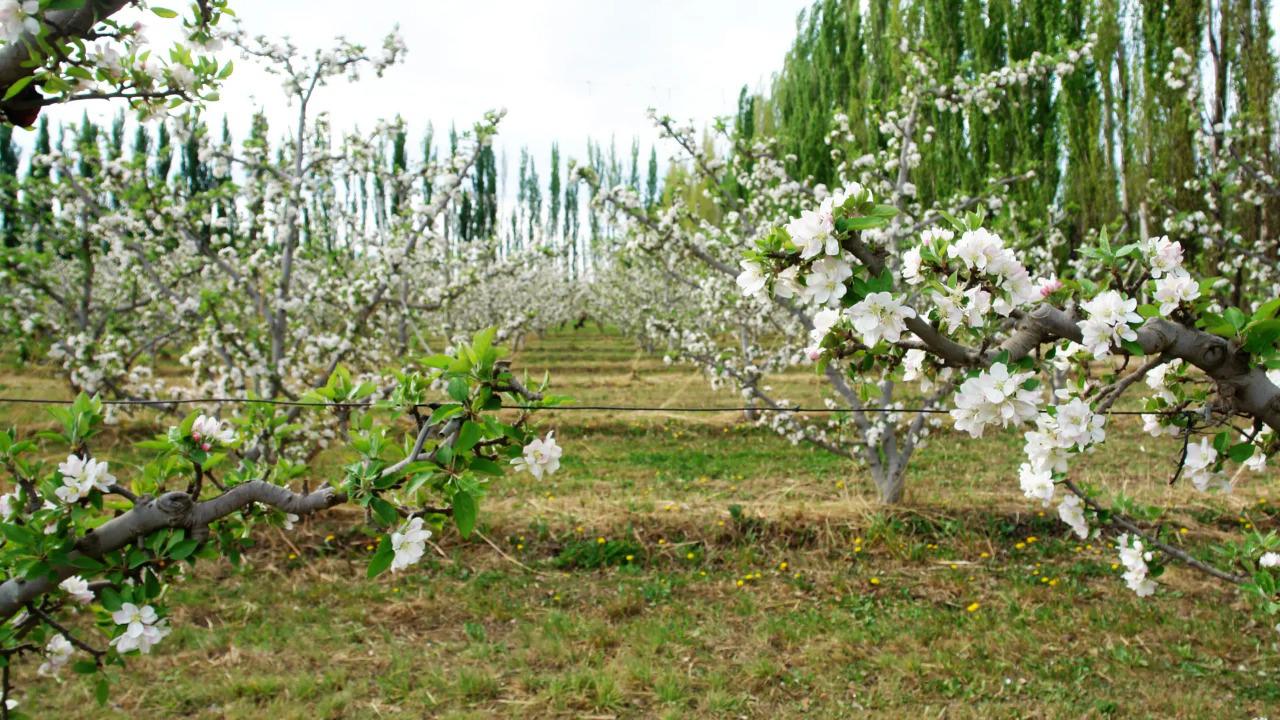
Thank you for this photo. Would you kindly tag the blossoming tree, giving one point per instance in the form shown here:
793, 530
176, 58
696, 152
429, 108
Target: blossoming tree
728, 204
1206, 362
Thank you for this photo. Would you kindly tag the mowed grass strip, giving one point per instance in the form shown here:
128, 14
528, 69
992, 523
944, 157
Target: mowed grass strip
699, 567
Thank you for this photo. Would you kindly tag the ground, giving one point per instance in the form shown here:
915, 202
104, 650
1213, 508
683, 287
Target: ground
692, 566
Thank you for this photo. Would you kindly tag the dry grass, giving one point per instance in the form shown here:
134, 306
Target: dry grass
869, 614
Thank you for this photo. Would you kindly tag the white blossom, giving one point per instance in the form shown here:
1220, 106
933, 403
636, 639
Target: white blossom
1071, 511
1107, 322
1036, 483
826, 280
752, 279
80, 476
409, 542
1199, 464
1134, 557
880, 316
143, 628
78, 588
994, 396
1174, 289
1165, 255
18, 17
913, 364
540, 456
911, 267
207, 430
57, 653
812, 232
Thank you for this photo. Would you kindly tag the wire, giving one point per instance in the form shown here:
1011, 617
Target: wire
541, 408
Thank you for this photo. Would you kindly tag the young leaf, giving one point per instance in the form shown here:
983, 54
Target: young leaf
464, 512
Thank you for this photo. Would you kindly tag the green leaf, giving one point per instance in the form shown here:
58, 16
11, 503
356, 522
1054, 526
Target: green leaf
183, 550
18, 534
110, 599
483, 340
1236, 318
1241, 452
18, 85
864, 223
447, 410
164, 12
468, 436
459, 390
381, 559
1266, 311
485, 466
1133, 348
1261, 335
383, 511
436, 361
464, 512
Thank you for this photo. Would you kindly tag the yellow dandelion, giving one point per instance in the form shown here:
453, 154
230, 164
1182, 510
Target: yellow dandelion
630, 558
689, 555
782, 565
599, 541
740, 583
293, 556
973, 607
985, 555
875, 581
1019, 546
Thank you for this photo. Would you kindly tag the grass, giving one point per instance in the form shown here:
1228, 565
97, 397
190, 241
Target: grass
697, 567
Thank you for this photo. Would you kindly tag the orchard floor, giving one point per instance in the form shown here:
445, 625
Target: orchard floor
690, 566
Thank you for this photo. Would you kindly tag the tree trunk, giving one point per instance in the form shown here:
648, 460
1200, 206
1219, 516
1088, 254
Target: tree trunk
891, 482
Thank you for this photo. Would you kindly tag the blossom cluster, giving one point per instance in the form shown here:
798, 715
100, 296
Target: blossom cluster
996, 395
1134, 556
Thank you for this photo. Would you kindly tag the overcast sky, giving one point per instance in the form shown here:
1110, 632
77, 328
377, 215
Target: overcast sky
565, 70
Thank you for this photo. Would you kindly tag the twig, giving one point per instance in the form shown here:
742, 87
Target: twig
1171, 550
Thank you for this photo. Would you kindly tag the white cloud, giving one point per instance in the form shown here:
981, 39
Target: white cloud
565, 70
